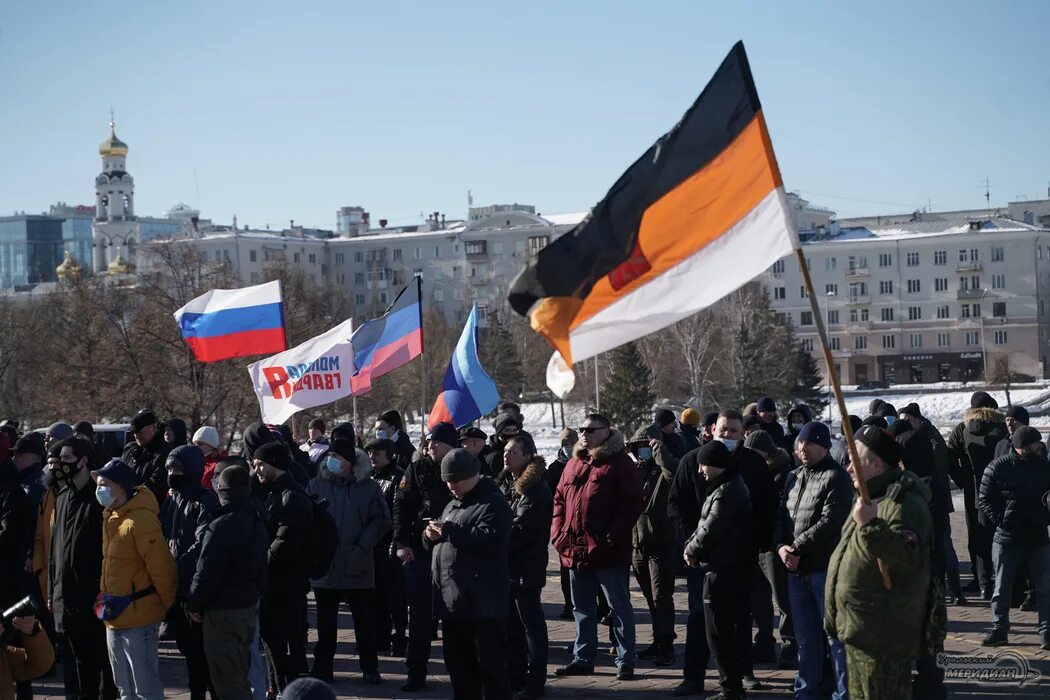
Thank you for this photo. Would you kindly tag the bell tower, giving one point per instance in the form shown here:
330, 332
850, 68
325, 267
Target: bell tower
115, 229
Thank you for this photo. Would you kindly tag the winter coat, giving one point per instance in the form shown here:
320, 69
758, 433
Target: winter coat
596, 506
654, 529
942, 457
289, 517
257, 434
16, 533
532, 507
859, 609
763, 495
183, 516
673, 445
917, 456
149, 461
788, 442
315, 449
231, 568
492, 457
972, 445
421, 496
690, 437
135, 557
555, 469
75, 565
388, 481
779, 465
362, 519
45, 515
722, 540
1012, 499
469, 565
404, 450
775, 430
210, 462
816, 502
24, 663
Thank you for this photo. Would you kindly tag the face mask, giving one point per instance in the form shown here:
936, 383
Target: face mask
104, 495
215, 484
176, 481
333, 465
645, 453
890, 420
381, 435
730, 444
798, 427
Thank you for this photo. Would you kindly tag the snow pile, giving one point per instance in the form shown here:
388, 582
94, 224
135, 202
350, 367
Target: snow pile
942, 408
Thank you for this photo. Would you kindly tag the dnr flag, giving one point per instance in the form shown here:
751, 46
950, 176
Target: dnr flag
701, 213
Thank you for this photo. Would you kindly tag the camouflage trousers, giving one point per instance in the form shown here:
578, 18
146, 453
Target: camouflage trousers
872, 678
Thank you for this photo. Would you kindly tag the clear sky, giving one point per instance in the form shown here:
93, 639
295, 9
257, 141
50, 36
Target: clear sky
288, 110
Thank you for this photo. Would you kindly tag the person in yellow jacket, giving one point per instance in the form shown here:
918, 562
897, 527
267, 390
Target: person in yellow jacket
138, 583
30, 660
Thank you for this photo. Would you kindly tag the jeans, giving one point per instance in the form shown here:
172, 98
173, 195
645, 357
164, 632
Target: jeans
806, 593
526, 639
771, 586
420, 595
476, 659
697, 651
566, 591
257, 671
614, 583
728, 624
133, 656
1007, 557
361, 607
654, 571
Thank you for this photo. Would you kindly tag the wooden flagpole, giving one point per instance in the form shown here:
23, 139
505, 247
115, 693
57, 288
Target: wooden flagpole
847, 429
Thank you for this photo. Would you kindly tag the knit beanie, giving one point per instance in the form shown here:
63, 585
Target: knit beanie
459, 464
1025, 436
690, 417
760, 440
275, 454
1018, 413
982, 399
882, 444
766, 405
715, 454
663, 417
817, 433
208, 435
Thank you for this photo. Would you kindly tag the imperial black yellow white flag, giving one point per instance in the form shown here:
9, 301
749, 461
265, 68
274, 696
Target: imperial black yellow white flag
701, 213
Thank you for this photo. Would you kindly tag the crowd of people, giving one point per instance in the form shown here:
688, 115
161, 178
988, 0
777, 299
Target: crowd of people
178, 539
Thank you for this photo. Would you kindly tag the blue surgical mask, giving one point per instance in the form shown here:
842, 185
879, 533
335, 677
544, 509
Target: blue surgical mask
798, 427
730, 444
381, 435
645, 453
104, 495
333, 465
890, 420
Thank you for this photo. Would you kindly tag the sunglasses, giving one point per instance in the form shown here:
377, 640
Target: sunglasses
587, 429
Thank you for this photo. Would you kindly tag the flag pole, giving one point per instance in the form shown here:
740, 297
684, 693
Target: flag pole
597, 388
422, 364
353, 395
847, 429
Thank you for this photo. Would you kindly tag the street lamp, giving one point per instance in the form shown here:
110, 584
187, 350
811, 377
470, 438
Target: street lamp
827, 318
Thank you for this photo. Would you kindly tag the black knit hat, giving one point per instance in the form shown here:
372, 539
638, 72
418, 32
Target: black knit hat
881, 443
472, 432
143, 419
760, 440
393, 418
344, 448
446, 433
751, 421
663, 417
913, 410
1025, 436
459, 464
877, 421
1018, 413
766, 405
982, 399
275, 454
710, 418
715, 454
874, 406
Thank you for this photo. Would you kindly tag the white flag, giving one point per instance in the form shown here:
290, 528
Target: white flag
312, 374
560, 377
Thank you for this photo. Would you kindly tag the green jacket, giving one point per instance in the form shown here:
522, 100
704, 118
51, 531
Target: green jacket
860, 611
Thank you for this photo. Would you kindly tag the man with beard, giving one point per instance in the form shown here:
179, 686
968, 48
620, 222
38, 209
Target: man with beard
421, 497
147, 454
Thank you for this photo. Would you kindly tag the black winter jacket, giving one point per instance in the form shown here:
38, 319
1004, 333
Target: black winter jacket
148, 461
555, 470
231, 568
1012, 497
469, 565
763, 495
17, 517
421, 496
388, 481
816, 502
289, 520
404, 450
721, 542
686, 495
972, 445
75, 566
918, 457
532, 507
183, 517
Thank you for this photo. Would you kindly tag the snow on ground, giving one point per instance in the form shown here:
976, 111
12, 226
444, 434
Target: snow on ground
941, 408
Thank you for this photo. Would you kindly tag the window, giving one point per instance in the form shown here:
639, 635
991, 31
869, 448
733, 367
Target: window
537, 243
382, 297
226, 255
778, 267
833, 316
477, 247
802, 292
397, 253
834, 342
999, 309
944, 340
914, 286
267, 254
832, 289
887, 314
295, 257
914, 313
940, 257
519, 247
889, 342
807, 344
912, 259
976, 310
997, 253
915, 340
360, 299
860, 342
457, 272
942, 311
779, 293
974, 255
886, 287
439, 295
858, 315
313, 258
437, 251
255, 277
252, 256
940, 284
805, 318
339, 258
885, 260
359, 278
962, 255
359, 256
417, 254
830, 264
999, 281
999, 338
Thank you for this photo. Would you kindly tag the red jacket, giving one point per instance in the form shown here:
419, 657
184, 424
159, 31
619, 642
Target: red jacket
209, 467
596, 504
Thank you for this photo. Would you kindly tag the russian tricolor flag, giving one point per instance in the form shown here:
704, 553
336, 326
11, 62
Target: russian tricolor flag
467, 392
225, 323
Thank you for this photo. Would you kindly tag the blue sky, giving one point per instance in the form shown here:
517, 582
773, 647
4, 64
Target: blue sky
289, 110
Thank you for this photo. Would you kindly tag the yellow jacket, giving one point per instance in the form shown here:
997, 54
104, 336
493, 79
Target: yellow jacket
42, 539
18, 664
135, 556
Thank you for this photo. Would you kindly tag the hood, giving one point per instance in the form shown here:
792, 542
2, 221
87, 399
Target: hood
533, 473
255, 436
799, 408
649, 432
344, 430
142, 500
361, 470
779, 460
192, 460
603, 454
874, 406
981, 421
178, 427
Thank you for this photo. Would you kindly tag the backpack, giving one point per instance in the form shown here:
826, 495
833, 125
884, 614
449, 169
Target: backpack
326, 539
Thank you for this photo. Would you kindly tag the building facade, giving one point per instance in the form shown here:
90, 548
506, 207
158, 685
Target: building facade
942, 297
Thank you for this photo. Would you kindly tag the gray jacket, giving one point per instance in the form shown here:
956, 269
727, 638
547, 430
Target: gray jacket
362, 518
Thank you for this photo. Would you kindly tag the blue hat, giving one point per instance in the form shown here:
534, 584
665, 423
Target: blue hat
766, 405
120, 474
817, 433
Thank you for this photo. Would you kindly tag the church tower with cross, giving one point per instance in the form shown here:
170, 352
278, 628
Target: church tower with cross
115, 229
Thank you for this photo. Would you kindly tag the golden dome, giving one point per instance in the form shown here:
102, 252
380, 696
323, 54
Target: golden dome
68, 268
113, 146
119, 266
